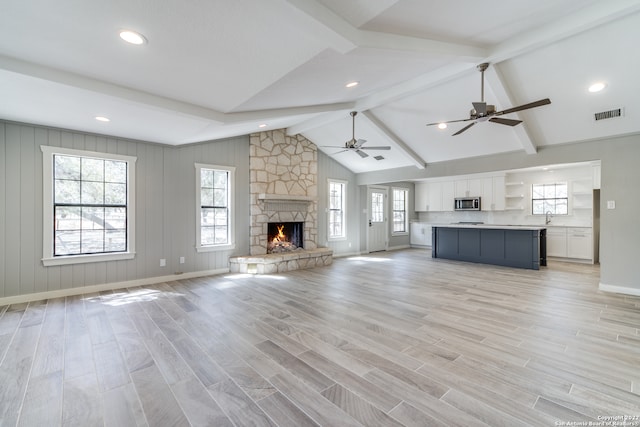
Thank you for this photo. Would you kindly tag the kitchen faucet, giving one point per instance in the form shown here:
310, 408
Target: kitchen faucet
547, 217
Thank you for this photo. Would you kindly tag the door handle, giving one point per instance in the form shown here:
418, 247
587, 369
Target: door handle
370, 223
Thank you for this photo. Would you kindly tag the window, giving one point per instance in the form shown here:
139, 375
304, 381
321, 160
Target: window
214, 201
549, 198
377, 207
400, 196
88, 202
337, 198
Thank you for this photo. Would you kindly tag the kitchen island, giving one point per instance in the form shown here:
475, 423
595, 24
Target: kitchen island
507, 245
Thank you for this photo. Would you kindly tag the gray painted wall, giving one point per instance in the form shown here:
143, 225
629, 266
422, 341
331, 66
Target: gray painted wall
620, 181
330, 169
165, 209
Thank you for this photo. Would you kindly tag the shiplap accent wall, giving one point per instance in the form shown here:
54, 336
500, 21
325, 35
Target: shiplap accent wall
165, 209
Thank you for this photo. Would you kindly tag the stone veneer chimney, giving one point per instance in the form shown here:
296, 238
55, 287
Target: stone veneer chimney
284, 187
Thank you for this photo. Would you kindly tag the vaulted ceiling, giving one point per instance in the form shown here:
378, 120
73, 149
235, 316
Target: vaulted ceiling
213, 69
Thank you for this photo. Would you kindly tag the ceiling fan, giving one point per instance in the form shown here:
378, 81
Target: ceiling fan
482, 111
356, 145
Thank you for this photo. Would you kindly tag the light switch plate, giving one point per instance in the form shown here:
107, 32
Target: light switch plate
611, 204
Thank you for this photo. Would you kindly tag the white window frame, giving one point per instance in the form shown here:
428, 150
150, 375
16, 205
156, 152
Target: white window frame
566, 184
48, 258
406, 211
231, 203
343, 210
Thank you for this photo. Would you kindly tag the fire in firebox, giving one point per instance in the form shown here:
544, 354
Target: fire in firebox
284, 237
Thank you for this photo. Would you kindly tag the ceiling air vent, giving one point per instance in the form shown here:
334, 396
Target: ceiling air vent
616, 112
378, 157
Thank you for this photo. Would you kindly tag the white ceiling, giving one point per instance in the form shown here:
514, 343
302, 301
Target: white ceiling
217, 68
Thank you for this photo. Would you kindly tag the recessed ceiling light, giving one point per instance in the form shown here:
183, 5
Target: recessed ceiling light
132, 37
351, 84
442, 126
102, 119
597, 87
262, 125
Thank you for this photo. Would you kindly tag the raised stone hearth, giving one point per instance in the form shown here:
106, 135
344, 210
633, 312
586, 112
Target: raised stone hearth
279, 263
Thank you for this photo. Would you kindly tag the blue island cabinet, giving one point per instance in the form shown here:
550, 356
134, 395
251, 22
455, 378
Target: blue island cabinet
510, 246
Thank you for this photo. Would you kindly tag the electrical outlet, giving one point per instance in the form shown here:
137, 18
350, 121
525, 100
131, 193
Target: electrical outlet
163, 262
181, 260
611, 204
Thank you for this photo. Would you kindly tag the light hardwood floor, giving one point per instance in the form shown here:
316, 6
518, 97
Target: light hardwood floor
392, 338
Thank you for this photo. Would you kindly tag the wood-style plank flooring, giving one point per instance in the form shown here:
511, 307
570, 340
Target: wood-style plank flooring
390, 339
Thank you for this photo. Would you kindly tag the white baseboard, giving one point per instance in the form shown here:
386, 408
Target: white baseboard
106, 287
619, 289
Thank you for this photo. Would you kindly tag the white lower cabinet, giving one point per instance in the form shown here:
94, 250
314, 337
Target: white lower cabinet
570, 242
580, 243
420, 234
557, 242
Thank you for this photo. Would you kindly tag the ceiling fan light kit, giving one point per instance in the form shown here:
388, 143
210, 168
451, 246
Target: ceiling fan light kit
356, 144
482, 112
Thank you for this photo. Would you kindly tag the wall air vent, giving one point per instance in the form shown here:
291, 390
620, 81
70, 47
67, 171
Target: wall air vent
378, 157
616, 112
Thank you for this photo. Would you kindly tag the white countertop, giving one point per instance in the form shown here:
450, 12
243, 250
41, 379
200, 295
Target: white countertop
492, 226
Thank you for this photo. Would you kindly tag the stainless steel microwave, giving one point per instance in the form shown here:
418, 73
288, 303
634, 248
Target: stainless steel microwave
467, 204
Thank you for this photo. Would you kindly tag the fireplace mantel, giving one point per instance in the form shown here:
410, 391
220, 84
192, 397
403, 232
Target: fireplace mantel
285, 202
286, 198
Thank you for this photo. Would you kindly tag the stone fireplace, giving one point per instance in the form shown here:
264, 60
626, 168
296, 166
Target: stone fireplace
284, 189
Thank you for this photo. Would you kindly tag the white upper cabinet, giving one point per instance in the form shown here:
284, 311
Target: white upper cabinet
421, 197
448, 196
435, 196
474, 188
468, 187
461, 189
492, 193
438, 196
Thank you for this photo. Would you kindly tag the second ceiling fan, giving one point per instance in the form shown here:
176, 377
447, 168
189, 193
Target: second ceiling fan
482, 111
356, 144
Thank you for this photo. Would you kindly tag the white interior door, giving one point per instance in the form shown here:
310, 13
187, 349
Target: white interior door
377, 234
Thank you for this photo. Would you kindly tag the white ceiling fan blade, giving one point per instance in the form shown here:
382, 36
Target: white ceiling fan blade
376, 148
362, 153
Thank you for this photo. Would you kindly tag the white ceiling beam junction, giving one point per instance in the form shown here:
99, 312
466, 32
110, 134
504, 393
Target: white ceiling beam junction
346, 37
320, 120
415, 158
